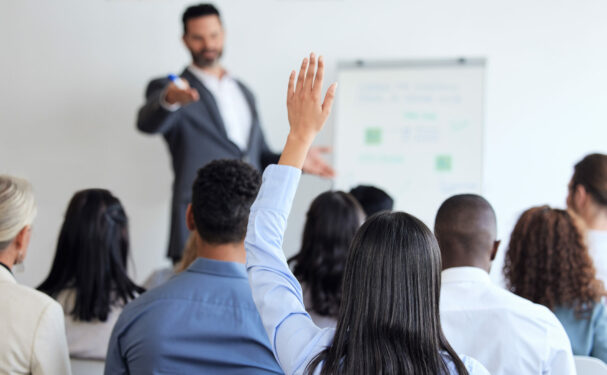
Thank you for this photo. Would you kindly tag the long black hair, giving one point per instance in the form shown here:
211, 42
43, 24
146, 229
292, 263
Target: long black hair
331, 222
389, 320
91, 256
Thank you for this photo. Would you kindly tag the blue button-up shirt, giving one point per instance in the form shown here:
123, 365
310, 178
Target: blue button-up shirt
203, 321
295, 339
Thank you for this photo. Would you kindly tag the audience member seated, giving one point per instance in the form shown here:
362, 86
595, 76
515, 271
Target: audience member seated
372, 199
547, 262
388, 322
89, 273
331, 222
163, 275
588, 199
203, 320
31, 323
526, 338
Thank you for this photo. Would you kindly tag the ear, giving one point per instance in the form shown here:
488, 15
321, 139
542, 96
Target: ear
189, 218
22, 239
496, 245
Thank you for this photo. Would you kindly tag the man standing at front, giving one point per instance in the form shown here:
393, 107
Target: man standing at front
204, 115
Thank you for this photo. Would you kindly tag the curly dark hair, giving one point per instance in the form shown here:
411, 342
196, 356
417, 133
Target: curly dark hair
222, 195
547, 261
331, 223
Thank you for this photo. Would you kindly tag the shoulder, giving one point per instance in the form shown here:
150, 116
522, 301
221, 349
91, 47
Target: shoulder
473, 366
32, 298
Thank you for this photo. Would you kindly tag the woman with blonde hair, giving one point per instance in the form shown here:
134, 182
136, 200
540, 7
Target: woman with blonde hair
31, 323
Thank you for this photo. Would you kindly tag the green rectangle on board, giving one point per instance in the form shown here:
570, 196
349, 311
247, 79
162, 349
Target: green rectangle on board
373, 136
443, 163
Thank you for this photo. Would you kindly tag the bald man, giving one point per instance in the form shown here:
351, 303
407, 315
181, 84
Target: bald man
506, 333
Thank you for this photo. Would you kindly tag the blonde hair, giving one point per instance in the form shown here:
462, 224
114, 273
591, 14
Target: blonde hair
17, 208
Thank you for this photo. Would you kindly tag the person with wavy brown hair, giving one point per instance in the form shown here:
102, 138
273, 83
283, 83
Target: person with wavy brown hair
588, 199
548, 263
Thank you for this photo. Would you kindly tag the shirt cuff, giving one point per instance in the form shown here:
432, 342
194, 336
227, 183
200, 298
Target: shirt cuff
278, 188
169, 107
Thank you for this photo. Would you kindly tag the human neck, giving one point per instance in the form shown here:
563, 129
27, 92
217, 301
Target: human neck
597, 220
483, 264
215, 70
7, 257
228, 252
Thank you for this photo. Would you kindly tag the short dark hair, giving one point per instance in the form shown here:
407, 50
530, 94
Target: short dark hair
222, 195
196, 11
372, 199
91, 256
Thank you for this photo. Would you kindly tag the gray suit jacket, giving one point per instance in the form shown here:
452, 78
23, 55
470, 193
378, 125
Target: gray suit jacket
195, 135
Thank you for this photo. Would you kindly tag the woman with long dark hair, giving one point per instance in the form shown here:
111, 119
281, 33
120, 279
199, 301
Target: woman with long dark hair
389, 320
89, 273
547, 262
331, 221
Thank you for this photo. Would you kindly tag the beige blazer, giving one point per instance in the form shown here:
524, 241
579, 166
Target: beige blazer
32, 331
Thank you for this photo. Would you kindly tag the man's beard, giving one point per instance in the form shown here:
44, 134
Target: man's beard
203, 61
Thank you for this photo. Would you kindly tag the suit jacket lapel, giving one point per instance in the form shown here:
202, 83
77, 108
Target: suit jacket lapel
251, 102
207, 100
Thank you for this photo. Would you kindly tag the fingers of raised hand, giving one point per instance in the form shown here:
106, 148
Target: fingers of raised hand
318, 80
291, 88
328, 102
301, 77
309, 82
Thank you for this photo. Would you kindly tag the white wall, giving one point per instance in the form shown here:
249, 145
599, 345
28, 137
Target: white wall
73, 74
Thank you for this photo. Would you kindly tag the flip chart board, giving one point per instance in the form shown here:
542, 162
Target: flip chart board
413, 128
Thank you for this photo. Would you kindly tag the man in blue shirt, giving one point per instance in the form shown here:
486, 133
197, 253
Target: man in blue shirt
204, 320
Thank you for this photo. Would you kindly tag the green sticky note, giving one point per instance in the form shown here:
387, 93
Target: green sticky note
443, 163
373, 136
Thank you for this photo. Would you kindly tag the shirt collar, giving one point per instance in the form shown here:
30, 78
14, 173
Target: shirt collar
465, 274
217, 267
206, 78
6, 274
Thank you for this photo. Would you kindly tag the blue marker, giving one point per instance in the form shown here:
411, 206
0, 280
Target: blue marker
177, 81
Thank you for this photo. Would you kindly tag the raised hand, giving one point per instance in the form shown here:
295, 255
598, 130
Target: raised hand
307, 110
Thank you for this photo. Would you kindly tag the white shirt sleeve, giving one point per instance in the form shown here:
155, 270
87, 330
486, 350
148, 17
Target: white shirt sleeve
50, 355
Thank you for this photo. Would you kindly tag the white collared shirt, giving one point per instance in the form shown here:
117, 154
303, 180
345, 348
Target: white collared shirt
506, 333
32, 331
232, 104
597, 247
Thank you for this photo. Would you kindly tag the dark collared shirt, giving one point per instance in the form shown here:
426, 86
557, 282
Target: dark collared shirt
202, 321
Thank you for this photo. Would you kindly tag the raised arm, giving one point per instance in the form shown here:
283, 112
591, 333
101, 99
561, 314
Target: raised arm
294, 338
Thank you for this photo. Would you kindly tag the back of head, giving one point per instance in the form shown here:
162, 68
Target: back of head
17, 208
389, 317
372, 199
91, 256
331, 222
547, 261
591, 173
196, 11
465, 227
222, 195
